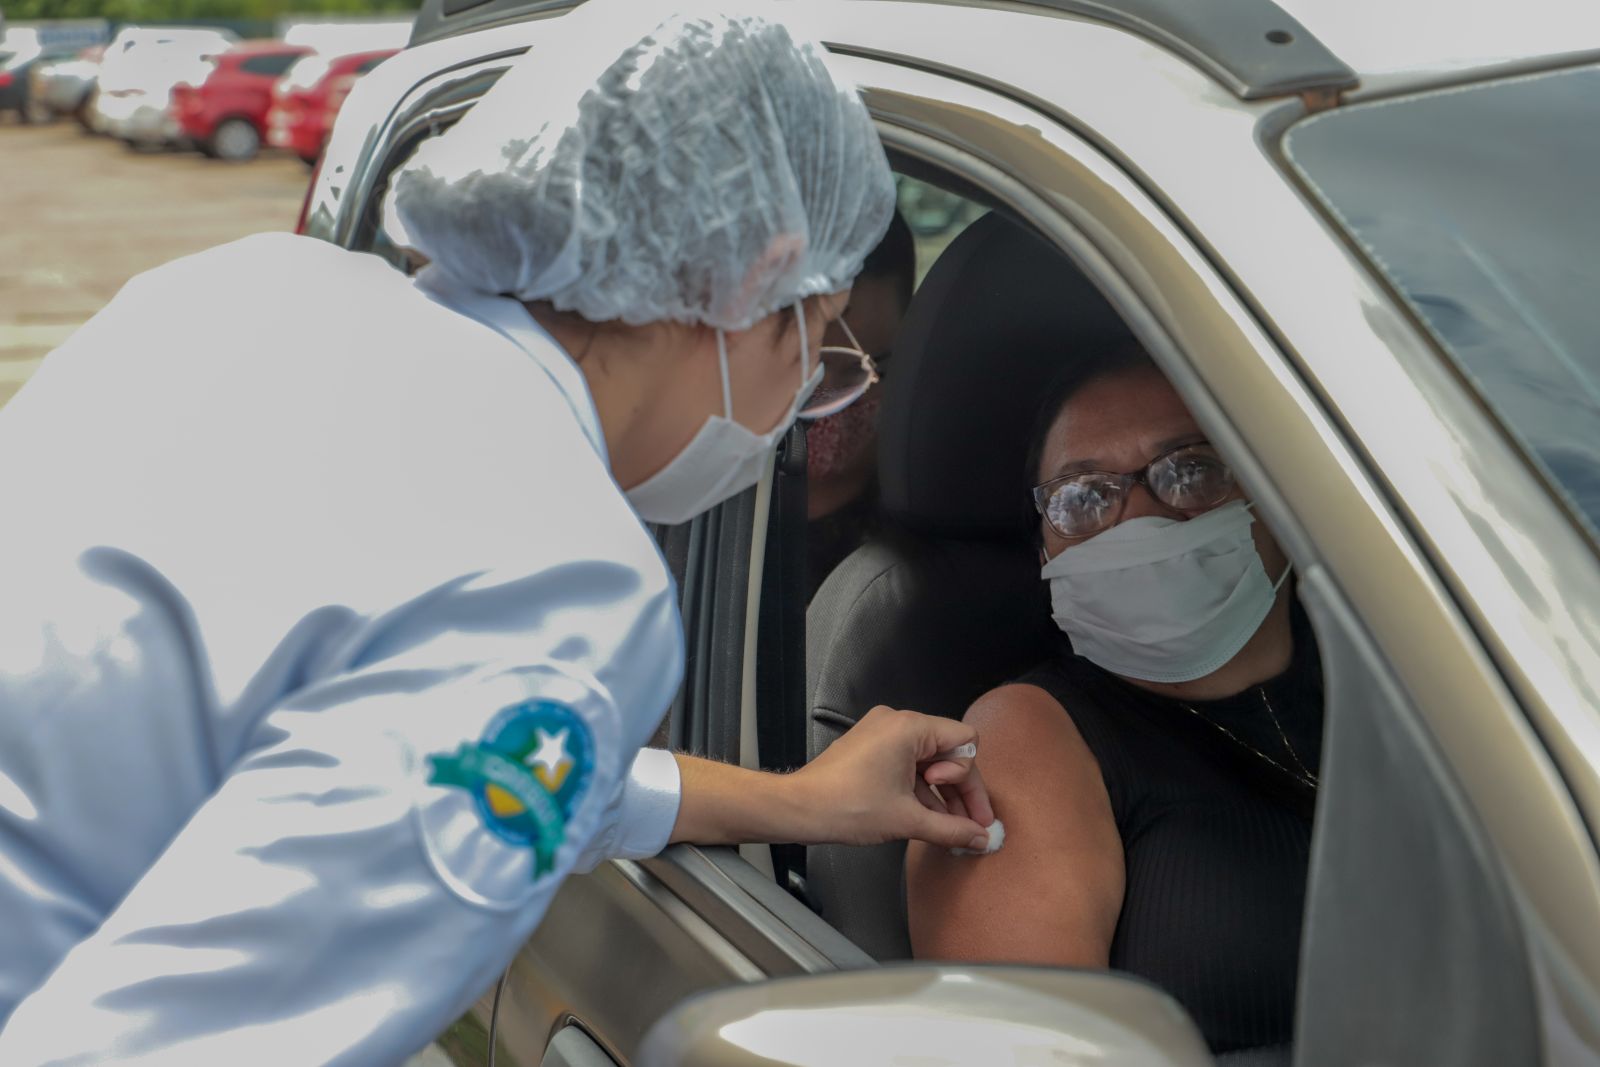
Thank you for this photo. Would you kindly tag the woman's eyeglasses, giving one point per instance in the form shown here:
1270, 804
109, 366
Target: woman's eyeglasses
1189, 478
847, 373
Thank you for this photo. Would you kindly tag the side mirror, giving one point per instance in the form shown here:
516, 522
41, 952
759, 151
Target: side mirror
937, 1015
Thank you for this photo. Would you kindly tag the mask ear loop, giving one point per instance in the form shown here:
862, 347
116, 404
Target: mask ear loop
1250, 505
805, 350
727, 386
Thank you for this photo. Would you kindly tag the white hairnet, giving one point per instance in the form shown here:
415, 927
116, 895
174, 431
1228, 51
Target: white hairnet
707, 168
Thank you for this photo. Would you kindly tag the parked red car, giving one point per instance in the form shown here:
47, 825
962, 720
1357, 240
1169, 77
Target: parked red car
226, 115
308, 99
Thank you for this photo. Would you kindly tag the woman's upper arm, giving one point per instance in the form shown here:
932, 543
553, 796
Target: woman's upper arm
1052, 894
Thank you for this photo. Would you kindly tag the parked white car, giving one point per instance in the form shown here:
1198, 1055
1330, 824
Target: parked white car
137, 76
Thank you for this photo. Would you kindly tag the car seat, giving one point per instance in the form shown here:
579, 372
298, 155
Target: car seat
946, 602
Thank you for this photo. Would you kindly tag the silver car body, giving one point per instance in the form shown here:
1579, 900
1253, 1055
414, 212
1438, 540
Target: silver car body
64, 85
1393, 487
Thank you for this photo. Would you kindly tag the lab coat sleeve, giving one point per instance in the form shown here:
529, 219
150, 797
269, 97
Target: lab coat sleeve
352, 886
644, 811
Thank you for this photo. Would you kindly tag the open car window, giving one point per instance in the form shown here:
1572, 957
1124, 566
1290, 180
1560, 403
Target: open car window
936, 217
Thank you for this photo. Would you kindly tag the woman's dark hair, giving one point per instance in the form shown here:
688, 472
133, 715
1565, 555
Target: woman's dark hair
1115, 357
895, 258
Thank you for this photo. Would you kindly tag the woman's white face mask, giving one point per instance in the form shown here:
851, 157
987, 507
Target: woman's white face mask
1163, 600
726, 457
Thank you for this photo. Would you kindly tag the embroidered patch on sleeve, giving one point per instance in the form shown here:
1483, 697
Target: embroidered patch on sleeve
526, 775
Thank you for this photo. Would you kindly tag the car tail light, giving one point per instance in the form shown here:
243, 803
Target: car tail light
5, 78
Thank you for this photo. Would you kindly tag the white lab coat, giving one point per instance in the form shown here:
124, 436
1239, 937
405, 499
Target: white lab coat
279, 525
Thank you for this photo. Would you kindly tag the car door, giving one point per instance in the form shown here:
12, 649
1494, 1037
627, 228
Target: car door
623, 945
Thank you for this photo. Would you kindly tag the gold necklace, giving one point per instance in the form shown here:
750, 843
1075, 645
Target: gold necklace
1303, 776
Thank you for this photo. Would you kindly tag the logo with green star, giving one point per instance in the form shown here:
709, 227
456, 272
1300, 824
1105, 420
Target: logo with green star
526, 775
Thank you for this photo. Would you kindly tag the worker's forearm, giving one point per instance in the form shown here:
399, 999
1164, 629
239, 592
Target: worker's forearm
866, 788
726, 805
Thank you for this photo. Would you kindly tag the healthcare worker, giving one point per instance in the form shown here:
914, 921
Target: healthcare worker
329, 630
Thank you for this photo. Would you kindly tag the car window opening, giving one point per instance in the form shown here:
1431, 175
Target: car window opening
1176, 813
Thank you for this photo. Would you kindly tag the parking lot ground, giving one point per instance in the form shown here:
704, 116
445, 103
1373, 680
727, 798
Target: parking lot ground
80, 215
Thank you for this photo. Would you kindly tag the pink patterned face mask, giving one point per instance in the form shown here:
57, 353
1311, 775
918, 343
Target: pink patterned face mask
836, 443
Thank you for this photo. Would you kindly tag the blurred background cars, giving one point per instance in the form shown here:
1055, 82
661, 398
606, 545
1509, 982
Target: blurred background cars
225, 115
63, 86
307, 99
20, 52
142, 66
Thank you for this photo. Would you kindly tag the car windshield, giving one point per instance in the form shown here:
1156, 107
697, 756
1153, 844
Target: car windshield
1478, 205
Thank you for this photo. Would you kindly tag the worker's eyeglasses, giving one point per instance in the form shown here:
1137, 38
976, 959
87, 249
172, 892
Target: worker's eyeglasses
847, 373
1189, 478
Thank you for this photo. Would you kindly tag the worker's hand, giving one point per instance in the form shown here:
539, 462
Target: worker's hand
877, 783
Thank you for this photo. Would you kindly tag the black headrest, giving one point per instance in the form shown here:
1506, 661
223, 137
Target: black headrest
989, 328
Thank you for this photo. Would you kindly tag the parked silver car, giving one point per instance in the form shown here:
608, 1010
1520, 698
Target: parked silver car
1360, 239
63, 86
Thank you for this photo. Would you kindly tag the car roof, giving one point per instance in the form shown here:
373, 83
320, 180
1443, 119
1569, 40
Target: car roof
1415, 37
1256, 48
173, 34
266, 46
363, 56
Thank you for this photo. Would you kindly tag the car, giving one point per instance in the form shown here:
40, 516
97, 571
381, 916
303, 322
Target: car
21, 53
225, 115
306, 100
1359, 239
142, 65
64, 86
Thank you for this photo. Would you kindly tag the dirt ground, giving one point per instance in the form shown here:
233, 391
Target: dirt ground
80, 215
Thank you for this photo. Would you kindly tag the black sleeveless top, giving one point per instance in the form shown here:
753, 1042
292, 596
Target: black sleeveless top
1216, 838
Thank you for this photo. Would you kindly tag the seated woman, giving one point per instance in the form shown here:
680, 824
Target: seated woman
1156, 778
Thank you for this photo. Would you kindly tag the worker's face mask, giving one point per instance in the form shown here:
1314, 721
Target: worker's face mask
1161, 599
725, 458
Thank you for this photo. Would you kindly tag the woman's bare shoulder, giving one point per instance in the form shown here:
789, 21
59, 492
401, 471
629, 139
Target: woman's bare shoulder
1052, 894
1018, 717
